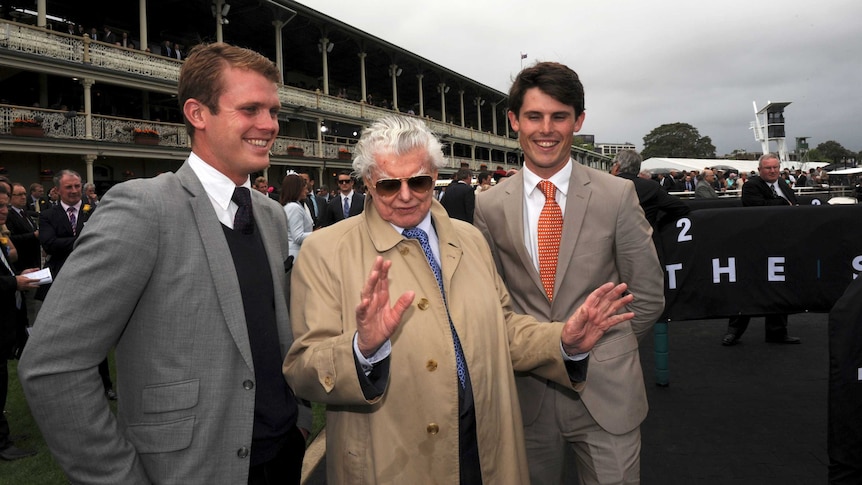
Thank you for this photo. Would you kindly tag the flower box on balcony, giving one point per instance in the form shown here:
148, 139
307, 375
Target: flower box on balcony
345, 155
36, 131
145, 137
145, 140
295, 152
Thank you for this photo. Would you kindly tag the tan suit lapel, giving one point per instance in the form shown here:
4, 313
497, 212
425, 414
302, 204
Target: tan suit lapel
513, 210
576, 209
218, 256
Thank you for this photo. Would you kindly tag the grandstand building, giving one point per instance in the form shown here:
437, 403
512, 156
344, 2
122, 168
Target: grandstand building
110, 111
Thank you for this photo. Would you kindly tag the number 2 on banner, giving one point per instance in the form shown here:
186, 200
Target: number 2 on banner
685, 224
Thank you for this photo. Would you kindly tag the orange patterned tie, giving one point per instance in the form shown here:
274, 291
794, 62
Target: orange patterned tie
550, 231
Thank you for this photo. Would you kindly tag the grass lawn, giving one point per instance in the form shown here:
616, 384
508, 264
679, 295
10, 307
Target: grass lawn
41, 469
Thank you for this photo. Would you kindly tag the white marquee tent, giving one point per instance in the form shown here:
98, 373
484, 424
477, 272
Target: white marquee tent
656, 164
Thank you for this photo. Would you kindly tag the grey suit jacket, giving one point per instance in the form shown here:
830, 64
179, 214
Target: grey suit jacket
605, 238
162, 290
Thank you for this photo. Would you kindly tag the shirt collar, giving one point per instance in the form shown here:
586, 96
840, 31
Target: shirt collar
76, 206
425, 225
559, 179
216, 184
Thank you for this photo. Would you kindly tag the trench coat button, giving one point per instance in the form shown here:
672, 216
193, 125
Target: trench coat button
242, 452
403, 251
247, 385
423, 304
432, 428
328, 381
431, 365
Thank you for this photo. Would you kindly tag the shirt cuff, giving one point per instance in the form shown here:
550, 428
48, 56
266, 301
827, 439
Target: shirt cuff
381, 354
566, 357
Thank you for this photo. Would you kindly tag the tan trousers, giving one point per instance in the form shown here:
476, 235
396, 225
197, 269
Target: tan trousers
600, 457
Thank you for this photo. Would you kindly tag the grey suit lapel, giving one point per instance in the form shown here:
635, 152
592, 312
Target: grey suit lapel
219, 259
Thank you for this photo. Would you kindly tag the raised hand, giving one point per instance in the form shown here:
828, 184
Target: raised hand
592, 319
376, 321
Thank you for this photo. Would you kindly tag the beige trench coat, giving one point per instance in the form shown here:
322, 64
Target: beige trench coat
409, 435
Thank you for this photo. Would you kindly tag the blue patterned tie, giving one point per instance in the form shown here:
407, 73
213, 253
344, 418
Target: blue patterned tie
346, 207
422, 237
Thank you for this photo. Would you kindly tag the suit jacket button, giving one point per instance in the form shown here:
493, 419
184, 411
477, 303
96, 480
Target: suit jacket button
431, 365
423, 304
242, 452
247, 385
432, 428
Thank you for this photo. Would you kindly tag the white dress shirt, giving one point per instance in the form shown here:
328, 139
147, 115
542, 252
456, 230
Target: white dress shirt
218, 187
534, 201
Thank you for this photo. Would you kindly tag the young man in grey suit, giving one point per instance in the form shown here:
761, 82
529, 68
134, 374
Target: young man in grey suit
601, 235
187, 275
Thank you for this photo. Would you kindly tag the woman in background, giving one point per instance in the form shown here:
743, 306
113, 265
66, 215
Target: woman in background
299, 223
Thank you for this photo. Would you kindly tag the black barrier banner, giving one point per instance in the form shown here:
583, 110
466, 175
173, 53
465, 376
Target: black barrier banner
759, 260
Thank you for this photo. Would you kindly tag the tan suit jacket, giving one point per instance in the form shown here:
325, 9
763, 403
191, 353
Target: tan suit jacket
605, 238
410, 433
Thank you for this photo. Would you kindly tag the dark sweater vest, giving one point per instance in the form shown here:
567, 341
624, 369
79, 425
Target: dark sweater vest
275, 408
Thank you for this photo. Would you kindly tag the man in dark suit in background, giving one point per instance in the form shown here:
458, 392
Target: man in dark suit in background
459, 199
12, 312
767, 189
652, 198
57, 233
37, 202
167, 51
108, 36
59, 228
348, 203
25, 237
314, 204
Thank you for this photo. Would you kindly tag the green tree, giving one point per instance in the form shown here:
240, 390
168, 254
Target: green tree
833, 151
677, 140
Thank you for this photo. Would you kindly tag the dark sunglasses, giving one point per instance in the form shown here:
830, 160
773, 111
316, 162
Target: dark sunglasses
418, 183
345, 181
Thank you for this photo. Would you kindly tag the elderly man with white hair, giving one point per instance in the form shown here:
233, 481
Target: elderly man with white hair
419, 386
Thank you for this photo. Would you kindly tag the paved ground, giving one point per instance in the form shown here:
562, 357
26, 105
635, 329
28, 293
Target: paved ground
750, 414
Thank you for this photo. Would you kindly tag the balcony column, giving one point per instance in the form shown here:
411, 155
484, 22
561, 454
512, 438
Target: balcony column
421, 97
362, 80
279, 47
463, 121
393, 72
142, 24
441, 88
494, 116
219, 4
324, 51
41, 11
478, 102
88, 107
89, 159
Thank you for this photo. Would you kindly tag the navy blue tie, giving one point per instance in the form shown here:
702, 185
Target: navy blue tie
346, 207
422, 237
244, 219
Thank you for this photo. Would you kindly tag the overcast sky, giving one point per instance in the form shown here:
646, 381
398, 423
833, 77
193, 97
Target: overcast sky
644, 64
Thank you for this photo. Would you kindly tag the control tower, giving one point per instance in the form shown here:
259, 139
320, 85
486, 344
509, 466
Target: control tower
768, 126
